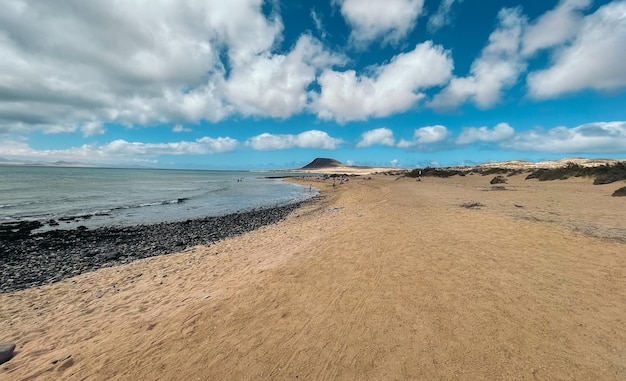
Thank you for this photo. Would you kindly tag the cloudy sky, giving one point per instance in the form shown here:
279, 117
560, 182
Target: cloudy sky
251, 84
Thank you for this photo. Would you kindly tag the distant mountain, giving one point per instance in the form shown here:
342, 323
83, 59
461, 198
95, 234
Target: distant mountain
321, 162
60, 163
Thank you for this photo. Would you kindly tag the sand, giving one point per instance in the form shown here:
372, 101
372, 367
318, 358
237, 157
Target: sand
383, 279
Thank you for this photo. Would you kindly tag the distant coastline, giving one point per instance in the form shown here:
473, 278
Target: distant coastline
332, 166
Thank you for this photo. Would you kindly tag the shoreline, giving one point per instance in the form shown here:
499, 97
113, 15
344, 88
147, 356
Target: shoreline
380, 278
38, 259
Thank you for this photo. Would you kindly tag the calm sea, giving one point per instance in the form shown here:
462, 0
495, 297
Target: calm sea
96, 197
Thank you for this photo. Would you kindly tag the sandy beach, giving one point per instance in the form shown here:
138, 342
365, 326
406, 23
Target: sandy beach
383, 278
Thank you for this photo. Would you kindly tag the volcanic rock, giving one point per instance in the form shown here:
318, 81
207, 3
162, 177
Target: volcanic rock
321, 162
6, 352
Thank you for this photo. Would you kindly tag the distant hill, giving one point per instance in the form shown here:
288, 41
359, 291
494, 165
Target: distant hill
321, 162
549, 164
60, 163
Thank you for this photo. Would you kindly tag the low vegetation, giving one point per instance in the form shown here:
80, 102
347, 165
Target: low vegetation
435, 172
494, 171
604, 174
621, 192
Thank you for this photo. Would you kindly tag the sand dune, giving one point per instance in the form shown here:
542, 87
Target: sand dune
383, 279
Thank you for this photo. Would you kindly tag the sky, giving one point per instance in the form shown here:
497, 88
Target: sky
251, 84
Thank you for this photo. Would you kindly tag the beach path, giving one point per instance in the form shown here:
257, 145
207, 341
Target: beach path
383, 279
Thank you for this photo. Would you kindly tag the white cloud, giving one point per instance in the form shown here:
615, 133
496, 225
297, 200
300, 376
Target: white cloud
424, 136
390, 88
202, 146
275, 85
594, 60
119, 151
591, 138
77, 62
319, 25
442, 16
390, 20
180, 128
554, 27
382, 136
395, 163
308, 139
501, 131
497, 68
93, 128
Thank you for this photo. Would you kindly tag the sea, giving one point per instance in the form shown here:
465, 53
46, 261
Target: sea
102, 197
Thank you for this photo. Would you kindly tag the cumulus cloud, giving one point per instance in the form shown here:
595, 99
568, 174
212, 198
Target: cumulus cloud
389, 20
441, 18
119, 151
501, 131
276, 85
591, 138
390, 88
554, 27
308, 139
79, 62
92, 128
498, 66
594, 59
381, 136
424, 136
205, 145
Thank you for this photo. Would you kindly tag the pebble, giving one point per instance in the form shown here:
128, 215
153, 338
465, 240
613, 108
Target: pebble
31, 260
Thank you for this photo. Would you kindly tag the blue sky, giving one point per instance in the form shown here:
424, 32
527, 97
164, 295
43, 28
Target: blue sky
250, 84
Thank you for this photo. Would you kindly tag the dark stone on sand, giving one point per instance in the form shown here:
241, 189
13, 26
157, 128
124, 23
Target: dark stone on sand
31, 260
621, 192
498, 180
6, 352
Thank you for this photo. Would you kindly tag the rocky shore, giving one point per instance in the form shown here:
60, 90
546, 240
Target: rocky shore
31, 260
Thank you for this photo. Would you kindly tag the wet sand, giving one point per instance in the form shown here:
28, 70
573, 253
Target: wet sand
383, 279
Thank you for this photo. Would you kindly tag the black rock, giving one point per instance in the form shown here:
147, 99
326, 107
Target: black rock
18, 230
6, 352
30, 260
498, 180
112, 256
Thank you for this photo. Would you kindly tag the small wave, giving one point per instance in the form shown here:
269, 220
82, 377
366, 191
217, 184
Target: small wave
21, 204
166, 202
101, 212
217, 190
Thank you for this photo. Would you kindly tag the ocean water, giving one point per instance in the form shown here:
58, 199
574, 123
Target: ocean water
96, 197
